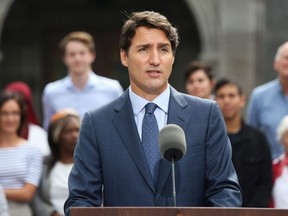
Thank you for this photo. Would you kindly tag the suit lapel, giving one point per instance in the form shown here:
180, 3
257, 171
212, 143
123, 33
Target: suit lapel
125, 123
178, 116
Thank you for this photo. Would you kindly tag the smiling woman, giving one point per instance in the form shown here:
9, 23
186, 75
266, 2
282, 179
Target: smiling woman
199, 80
21, 164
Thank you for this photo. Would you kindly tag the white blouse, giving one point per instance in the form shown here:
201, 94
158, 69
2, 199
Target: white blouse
59, 185
280, 190
19, 165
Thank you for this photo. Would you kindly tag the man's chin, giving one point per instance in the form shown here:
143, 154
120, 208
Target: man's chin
79, 71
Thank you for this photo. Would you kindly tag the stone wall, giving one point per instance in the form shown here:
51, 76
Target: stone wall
239, 38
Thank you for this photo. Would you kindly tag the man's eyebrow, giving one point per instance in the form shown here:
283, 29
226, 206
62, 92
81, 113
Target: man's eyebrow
143, 46
149, 45
163, 44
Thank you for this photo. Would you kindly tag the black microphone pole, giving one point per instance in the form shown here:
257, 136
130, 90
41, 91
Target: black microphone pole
173, 181
173, 147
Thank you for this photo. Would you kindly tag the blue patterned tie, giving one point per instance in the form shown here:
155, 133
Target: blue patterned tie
150, 133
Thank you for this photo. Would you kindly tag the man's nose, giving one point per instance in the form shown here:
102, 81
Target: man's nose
154, 58
226, 100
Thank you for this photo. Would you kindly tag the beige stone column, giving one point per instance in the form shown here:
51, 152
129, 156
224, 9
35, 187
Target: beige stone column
231, 37
4, 8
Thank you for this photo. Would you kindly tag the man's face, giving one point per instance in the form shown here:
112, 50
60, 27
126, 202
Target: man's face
230, 101
78, 58
149, 61
285, 140
281, 63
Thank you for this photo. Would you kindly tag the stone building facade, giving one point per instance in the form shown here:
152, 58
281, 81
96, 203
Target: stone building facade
238, 38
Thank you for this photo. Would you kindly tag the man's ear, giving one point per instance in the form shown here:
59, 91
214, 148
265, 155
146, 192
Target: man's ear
243, 101
94, 56
124, 58
213, 82
276, 65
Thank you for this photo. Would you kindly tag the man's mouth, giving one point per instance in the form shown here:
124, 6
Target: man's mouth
153, 71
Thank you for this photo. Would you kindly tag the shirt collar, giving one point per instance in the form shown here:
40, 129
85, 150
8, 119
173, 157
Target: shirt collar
139, 103
93, 81
279, 86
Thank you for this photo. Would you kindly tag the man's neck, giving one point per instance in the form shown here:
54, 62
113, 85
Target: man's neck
150, 94
233, 125
79, 80
284, 84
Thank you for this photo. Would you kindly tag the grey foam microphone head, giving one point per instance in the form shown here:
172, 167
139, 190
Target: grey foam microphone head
172, 142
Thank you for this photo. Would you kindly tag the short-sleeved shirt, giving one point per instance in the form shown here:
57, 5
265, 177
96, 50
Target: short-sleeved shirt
19, 165
267, 106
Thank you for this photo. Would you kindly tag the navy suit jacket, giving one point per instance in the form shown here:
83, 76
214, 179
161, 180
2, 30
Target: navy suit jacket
109, 153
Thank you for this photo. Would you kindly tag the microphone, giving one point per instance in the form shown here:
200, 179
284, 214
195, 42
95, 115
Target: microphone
172, 142
173, 147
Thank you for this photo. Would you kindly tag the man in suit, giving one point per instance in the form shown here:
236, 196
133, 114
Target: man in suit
111, 151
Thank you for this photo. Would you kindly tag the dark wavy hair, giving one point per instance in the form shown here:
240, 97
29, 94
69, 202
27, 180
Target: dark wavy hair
224, 82
197, 65
8, 95
149, 19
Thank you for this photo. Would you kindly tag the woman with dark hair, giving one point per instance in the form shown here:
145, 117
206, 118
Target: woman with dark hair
21, 163
31, 131
53, 190
199, 80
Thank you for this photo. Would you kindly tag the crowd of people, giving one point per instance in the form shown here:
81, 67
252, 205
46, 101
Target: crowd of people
259, 146
36, 159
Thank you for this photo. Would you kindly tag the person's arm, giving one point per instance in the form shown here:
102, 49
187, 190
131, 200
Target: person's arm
41, 207
223, 189
252, 111
24, 194
85, 180
41, 204
47, 108
33, 175
262, 194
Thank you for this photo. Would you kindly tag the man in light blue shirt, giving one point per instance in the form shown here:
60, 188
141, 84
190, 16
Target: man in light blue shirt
82, 89
269, 102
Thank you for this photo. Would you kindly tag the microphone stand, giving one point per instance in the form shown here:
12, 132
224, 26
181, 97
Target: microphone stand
173, 181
